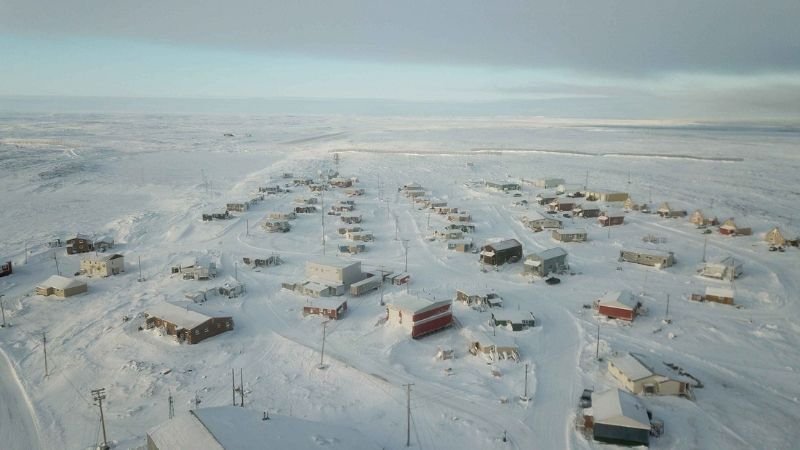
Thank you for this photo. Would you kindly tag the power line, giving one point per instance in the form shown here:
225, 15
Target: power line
99, 395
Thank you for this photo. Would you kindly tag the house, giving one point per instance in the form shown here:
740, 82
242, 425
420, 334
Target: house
639, 377
353, 229
235, 428
279, 215
548, 183
306, 200
334, 272
586, 211
714, 294
103, 243
479, 298
464, 227
562, 204
103, 266
503, 186
401, 278
537, 222
609, 218
665, 210
277, 226
342, 207
620, 305
699, 219
6, 269
237, 207
231, 289
273, 260
775, 238
552, 260
363, 236
460, 245
648, 257
330, 308
371, 283
412, 187
571, 190
186, 325
517, 320
435, 203
570, 235
313, 288
270, 190
494, 348
459, 217
729, 228
445, 210
497, 253
630, 205
196, 269
61, 287
341, 182
617, 417
607, 196
354, 192
447, 235
79, 244
352, 248
418, 315
308, 209
216, 216
350, 218
724, 269
545, 198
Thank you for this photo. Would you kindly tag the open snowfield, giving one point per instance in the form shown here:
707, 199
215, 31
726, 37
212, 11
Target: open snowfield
140, 180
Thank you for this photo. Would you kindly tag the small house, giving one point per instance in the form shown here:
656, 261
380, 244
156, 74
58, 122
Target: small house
607, 196
609, 218
775, 237
345, 230
460, 245
280, 215
79, 244
724, 269
277, 226
447, 235
237, 207
363, 236
459, 217
587, 212
103, 243
570, 235
638, 377
648, 257
548, 183
231, 289
517, 320
630, 205
350, 218
305, 209
354, 192
341, 182
196, 269
503, 186
352, 249
342, 207
571, 190
401, 278
498, 253
6, 269
61, 287
715, 294
103, 266
699, 219
545, 198
494, 348
562, 204
479, 298
419, 316
537, 222
306, 200
729, 228
464, 227
617, 417
330, 308
553, 260
186, 325
665, 210
620, 305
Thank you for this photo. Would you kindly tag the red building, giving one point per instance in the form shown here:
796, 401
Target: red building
5, 269
618, 305
330, 308
418, 315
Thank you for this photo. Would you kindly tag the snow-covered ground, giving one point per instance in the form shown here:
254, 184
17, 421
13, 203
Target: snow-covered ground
145, 180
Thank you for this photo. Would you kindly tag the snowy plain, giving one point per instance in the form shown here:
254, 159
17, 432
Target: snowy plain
145, 180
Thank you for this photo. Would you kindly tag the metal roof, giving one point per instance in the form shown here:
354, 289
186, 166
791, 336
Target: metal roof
619, 408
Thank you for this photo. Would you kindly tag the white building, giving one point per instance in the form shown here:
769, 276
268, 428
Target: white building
103, 266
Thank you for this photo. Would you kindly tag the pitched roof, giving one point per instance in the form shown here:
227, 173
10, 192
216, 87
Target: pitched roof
617, 407
550, 253
59, 282
618, 299
719, 292
504, 245
412, 304
631, 366
181, 317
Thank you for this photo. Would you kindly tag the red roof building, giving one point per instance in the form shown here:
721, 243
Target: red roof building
418, 315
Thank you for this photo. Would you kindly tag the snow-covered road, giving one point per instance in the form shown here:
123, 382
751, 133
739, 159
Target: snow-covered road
17, 425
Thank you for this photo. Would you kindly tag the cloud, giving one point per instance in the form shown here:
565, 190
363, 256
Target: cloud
616, 37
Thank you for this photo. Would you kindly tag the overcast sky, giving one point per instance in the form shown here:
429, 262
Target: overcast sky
725, 59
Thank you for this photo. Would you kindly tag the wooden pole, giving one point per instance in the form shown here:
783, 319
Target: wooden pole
44, 346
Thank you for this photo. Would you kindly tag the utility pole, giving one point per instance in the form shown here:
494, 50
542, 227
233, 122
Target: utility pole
586, 182
196, 400
235, 271
140, 270
396, 226
55, 258
525, 397
667, 312
408, 414
99, 395
429, 221
381, 269
241, 386
705, 244
597, 350
233, 386
247, 227
322, 354
3, 309
322, 207
44, 346
171, 406
26, 249
405, 247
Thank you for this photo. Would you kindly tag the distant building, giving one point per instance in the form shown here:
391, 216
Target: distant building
330, 308
618, 305
607, 196
729, 228
537, 222
665, 210
509, 250
548, 183
479, 297
725, 268
237, 207
418, 315
186, 325
586, 212
334, 271
79, 244
715, 294
103, 266
6, 269
609, 218
460, 245
517, 320
61, 287
494, 348
570, 235
648, 257
552, 260
562, 204
503, 186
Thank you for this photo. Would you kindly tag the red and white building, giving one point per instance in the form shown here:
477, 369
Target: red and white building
420, 316
618, 305
330, 308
